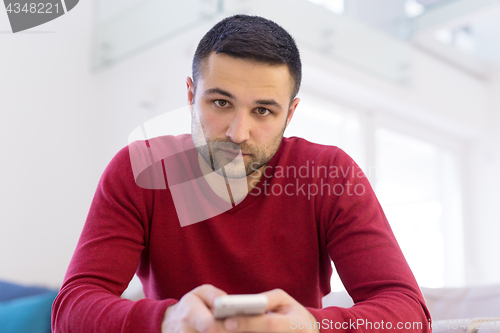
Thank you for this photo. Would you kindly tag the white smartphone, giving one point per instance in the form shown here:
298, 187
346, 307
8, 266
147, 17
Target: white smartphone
236, 305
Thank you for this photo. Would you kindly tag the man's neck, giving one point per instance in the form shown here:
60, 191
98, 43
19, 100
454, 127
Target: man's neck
229, 189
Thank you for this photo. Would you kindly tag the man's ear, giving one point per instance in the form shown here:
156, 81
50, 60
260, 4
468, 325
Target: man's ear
190, 90
291, 110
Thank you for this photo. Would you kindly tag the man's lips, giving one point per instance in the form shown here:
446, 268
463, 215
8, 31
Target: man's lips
233, 153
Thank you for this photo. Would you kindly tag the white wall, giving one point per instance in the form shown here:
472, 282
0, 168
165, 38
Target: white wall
49, 131
61, 123
438, 95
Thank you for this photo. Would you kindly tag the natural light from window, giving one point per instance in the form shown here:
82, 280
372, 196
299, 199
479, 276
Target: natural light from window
417, 183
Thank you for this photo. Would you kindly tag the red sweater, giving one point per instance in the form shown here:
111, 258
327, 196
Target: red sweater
272, 239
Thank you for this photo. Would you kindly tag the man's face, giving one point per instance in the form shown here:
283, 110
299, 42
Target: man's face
240, 106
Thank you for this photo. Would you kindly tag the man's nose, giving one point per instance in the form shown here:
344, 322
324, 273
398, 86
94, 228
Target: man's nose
239, 130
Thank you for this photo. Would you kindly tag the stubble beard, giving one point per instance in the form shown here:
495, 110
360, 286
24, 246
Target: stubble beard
235, 168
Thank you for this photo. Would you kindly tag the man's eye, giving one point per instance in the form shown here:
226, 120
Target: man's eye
221, 103
263, 111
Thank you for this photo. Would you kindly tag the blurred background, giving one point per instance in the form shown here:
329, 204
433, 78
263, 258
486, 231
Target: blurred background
409, 88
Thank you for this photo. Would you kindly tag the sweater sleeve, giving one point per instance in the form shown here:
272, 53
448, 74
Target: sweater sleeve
106, 257
369, 262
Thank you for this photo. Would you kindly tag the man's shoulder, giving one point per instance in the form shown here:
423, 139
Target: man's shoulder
296, 148
143, 159
298, 142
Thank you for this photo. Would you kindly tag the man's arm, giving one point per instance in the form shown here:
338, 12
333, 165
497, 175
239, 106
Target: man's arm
106, 258
369, 261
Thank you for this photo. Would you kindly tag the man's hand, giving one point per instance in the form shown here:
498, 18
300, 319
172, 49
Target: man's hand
283, 312
193, 313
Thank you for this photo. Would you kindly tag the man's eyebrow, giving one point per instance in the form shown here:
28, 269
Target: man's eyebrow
218, 91
271, 102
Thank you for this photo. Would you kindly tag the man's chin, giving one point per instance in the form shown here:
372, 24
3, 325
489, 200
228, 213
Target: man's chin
237, 172
228, 172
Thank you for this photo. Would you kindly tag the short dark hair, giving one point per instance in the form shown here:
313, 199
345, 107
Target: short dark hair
254, 38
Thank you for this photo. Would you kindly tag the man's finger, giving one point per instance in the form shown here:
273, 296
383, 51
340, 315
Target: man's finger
277, 298
206, 324
207, 293
200, 316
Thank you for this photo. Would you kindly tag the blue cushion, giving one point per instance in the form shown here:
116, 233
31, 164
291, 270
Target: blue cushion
27, 314
10, 291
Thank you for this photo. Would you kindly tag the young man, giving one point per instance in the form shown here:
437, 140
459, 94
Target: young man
243, 210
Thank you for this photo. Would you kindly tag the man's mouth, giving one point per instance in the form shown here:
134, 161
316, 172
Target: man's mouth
233, 153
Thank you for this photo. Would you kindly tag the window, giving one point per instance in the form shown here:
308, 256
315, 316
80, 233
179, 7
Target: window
329, 124
417, 182
417, 185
